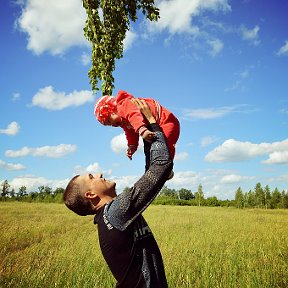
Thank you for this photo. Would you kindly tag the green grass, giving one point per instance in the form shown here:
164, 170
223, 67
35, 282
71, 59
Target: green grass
46, 245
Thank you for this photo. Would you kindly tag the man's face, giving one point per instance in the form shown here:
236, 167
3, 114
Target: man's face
97, 184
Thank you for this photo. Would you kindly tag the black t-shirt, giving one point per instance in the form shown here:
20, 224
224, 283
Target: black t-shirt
125, 238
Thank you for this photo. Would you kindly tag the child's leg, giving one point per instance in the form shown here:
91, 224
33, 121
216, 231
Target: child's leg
147, 147
171, 131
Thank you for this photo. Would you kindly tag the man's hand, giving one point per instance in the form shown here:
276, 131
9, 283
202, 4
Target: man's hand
144, 109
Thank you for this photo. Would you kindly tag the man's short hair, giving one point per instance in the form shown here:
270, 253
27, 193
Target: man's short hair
74, 199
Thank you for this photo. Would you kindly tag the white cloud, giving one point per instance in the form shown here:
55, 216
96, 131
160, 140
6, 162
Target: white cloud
44, 151
216, 46
119, 144
213, 113
284, 49
85, 59
53, 25
205, 141
129, 39
231, 179
234, 151
12, 129
239, 83
277, 157
32, 183
185, 179
177, 15
49, 99
16, 96
93, 168
250, 35
181, 156
124, 181
209, 113
11, 166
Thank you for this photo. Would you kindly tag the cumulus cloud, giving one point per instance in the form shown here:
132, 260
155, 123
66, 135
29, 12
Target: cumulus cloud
50, 26
118, 144
277, 157
93, 168
53, 25
185, 179
233, 179
250, 35
284, 49
12, 129
183, 21
44, 151
124, 181
130, 38
11, 166
32, 183
233, 151
47, 98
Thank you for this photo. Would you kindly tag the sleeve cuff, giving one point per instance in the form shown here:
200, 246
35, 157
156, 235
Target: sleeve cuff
142, 130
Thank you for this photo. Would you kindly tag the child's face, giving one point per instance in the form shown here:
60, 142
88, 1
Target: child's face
114, 120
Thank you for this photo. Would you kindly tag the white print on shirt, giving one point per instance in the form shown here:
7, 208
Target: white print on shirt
142, 232
105, 219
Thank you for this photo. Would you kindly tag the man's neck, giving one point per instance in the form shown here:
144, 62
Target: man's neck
105, 199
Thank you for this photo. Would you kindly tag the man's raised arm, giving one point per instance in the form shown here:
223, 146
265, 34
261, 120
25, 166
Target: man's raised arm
128, 205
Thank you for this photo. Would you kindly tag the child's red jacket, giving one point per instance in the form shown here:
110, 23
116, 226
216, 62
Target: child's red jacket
134, 124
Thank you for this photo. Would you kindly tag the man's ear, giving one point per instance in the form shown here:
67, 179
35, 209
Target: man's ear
90, 195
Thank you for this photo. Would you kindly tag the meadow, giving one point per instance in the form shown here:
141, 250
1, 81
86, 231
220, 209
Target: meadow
46, 245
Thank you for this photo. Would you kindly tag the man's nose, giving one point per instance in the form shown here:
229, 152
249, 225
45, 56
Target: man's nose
99, 175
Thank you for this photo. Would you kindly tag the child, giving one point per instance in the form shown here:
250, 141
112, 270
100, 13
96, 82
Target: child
120, 111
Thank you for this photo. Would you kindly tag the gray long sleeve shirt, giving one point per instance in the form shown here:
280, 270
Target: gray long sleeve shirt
126, 241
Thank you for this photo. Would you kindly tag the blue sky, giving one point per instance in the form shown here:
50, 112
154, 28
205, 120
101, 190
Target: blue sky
220, 66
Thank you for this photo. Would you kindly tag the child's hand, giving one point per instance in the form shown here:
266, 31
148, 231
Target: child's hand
130, 151
148, 135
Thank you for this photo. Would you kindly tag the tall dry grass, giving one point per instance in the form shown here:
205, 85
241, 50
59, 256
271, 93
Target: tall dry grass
46, 245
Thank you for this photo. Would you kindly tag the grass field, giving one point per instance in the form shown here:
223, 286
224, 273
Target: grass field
46, 245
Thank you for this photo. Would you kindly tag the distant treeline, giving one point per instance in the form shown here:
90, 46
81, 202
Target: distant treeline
259, 197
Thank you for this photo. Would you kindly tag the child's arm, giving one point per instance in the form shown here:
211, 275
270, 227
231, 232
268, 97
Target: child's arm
148, 135
129, 111
132, 141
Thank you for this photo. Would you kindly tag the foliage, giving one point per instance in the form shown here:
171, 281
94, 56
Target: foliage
261, 198
5, 188
257, 198
199, 195
106, 26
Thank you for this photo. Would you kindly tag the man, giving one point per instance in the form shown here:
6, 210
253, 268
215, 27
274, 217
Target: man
125, 238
